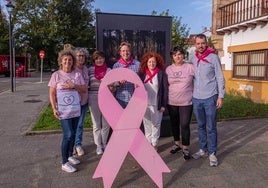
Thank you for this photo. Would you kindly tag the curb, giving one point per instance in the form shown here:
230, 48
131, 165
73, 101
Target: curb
48, 132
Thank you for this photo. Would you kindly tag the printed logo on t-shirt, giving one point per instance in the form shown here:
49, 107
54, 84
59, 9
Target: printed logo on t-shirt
177, 74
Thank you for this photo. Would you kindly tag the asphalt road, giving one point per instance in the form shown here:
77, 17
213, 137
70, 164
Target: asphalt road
5, 82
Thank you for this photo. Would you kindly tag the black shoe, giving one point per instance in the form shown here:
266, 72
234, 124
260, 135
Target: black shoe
175, 149
186, 155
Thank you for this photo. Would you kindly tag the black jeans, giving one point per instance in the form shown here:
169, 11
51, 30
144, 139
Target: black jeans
180, 118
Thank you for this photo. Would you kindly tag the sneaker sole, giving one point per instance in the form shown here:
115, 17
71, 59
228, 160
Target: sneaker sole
175, 151
213, 164
186, 158
200, 156
69, 171
74, 162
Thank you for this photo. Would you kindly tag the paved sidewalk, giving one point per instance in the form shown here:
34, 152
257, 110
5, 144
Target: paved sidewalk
35, 161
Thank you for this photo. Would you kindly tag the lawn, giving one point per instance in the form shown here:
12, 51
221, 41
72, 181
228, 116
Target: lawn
47, 121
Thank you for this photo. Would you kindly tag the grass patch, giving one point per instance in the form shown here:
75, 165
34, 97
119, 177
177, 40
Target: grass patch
47, 121
235, 106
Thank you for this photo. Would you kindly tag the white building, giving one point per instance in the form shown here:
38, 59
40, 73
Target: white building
240, 34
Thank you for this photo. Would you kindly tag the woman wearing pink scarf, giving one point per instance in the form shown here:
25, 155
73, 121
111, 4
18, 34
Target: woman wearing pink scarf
100, 126
155, 81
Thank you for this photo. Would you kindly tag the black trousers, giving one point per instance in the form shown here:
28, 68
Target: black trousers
180, 118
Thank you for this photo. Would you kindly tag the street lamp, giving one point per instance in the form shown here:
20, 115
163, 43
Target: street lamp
10, 8
26, 65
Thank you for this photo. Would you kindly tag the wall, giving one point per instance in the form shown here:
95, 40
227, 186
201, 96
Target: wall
253, 89
226, 44
258, 34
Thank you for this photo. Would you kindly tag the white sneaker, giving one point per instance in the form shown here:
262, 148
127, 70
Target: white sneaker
67, 167
99, 150
213, 161
73, 160
199, 154
79, 151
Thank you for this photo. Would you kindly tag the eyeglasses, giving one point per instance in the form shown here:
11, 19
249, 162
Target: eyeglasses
80, 55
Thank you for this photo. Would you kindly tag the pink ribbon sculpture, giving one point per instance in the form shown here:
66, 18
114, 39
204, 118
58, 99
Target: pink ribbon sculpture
127, 136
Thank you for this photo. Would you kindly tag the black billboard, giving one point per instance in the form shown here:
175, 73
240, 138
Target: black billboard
144, 33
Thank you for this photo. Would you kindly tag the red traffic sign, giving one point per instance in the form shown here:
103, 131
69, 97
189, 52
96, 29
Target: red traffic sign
42, 54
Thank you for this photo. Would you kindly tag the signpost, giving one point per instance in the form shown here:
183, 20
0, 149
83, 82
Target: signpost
42, 56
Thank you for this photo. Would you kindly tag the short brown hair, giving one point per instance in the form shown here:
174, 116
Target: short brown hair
66, 53
124, 44
176, 49
97, 54
201, 36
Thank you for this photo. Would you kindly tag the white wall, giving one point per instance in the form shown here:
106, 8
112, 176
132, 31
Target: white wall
191, 52
258, 34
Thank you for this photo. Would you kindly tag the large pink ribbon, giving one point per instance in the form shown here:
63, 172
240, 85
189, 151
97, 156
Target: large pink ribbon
127, 136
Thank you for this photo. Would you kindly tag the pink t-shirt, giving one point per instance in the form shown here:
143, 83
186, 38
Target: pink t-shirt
60, 78
180, 80
84, 96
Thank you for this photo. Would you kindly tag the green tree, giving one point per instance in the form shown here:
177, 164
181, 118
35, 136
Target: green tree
179, 31
4, 34
210, 43
49, 24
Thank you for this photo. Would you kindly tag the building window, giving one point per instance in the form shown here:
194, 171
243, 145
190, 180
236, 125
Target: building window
251, 65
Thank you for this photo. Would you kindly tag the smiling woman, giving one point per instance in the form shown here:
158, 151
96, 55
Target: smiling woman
66, 82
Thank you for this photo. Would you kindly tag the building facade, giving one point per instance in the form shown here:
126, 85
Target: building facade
240, 35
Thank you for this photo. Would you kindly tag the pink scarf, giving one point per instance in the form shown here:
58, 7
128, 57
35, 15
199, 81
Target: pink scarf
125, 63
150, 75
100, 71
204, 55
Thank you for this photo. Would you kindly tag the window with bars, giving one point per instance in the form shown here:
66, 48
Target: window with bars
251, 65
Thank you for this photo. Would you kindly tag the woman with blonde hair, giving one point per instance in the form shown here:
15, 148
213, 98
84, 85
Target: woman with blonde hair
66, 80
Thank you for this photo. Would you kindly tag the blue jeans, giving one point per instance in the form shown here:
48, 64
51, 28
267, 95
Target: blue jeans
80, 126
68, 128
206, 112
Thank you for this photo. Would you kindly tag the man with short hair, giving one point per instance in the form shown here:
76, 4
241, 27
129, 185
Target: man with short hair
209, 91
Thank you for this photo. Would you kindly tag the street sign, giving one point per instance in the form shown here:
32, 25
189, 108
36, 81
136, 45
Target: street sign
42, 54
